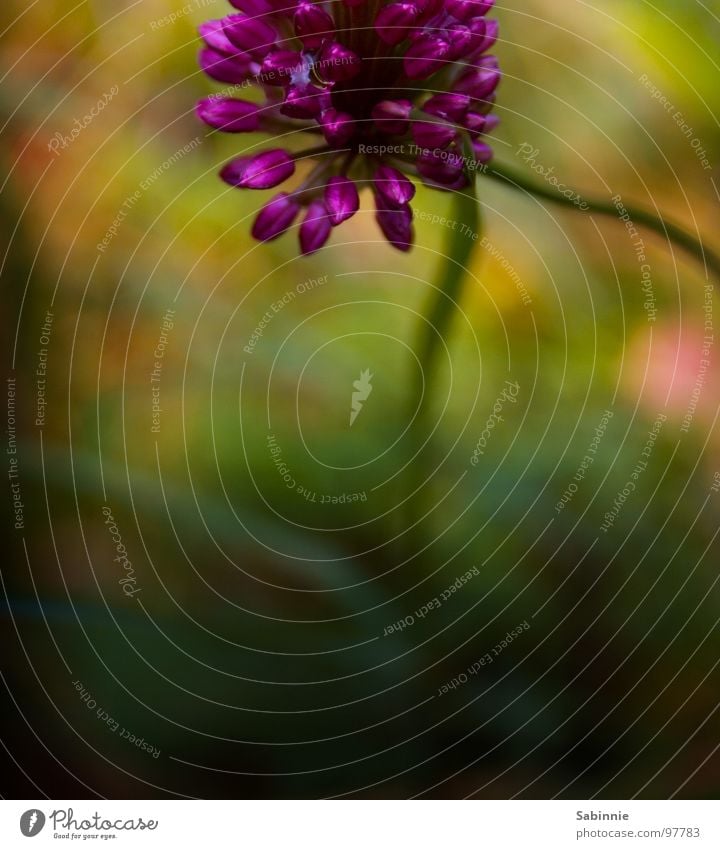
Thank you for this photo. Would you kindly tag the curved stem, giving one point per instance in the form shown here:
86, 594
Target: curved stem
709, 258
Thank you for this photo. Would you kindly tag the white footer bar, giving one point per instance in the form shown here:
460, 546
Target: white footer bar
361, 824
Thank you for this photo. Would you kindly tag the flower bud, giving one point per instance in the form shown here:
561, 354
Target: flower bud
341, 199
275, 217
262, 171
229, 114
394, 187
315, 229
393, 22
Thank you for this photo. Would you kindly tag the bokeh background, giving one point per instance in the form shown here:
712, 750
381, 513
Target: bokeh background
249, 649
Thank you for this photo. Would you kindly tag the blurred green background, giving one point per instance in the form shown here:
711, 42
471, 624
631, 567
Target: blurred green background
253, 656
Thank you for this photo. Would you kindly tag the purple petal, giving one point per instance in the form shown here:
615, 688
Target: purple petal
491, 34
337, 64
460, 40
213, 34
315, 229
393, 186
229, 114
480, 82
491, 122
424, 57
305, 102
262, 171
391, 116
484, 34
463, 10
395, 223
279, 66
447, 105
252, 8
283, 7
338, 127
475, 123
341, 199
482, 107
256, 8
433, 134
444, 168
275, 217
394, 21
227, 69
483, 152
313, 25
428, 9
250, 34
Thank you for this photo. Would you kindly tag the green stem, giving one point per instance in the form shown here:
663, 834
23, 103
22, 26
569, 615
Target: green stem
431, 333
447, 291
667, 229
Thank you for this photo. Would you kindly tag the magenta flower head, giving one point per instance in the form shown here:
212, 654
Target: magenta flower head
387, 91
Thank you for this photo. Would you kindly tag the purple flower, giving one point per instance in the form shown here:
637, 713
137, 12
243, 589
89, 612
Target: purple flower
229, 114
262, 171
312, 25
393, 186
395, 21
315, 229
395, 223
338, 127
341, 199
433, 134
389, 92
275, 217
391, 116
250, 35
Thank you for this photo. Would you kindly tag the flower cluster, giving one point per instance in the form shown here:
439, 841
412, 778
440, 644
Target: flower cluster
389, 91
